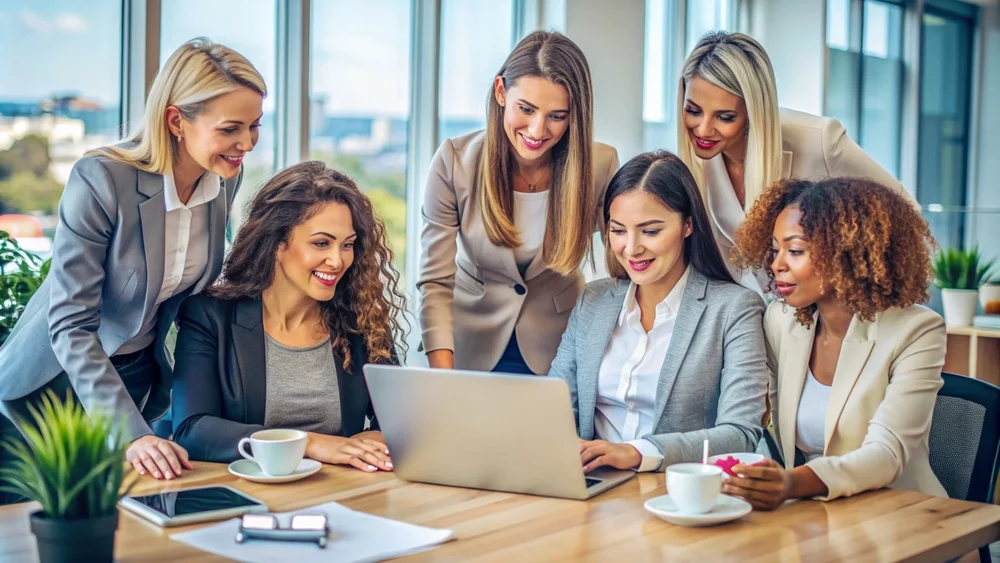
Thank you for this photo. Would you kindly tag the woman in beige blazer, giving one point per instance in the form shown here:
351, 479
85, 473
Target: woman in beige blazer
509, 215
737, 142
855, 362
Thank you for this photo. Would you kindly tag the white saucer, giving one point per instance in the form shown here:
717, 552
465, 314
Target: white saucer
726, 509
246, 469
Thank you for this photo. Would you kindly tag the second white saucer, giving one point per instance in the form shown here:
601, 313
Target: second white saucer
246, 469
727, 508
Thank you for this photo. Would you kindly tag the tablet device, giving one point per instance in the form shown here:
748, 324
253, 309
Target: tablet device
189, 506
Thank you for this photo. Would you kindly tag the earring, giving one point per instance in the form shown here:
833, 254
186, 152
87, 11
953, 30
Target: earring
178, 138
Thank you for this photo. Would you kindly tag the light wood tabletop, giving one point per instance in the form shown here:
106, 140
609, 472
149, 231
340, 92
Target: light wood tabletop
884, 525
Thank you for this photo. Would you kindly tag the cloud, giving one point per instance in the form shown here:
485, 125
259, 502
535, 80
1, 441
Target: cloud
64, 22
71, 23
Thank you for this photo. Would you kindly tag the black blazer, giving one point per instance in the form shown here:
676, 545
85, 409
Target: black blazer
220, 381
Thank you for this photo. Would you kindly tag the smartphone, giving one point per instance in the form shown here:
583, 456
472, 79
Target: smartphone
190, 506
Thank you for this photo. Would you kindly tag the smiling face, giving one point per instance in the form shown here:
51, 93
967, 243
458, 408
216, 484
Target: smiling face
218, 137
318, 252
716, 120
647, 238
535, 116
795, 278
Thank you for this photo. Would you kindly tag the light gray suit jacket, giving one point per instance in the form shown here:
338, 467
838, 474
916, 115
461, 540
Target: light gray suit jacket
107, 269
714, 377
472, 294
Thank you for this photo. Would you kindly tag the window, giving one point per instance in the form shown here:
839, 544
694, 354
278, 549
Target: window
475, 41
359, 101
250, 30
59, 98
946, 55
864, 86
707, 15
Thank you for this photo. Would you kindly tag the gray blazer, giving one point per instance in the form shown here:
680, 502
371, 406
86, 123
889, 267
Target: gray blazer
472, 295
714, 377
107, 269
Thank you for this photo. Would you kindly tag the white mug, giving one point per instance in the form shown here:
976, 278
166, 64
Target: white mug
694, 487
277, 452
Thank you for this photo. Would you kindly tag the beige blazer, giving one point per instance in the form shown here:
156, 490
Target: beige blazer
472, 294
881, 402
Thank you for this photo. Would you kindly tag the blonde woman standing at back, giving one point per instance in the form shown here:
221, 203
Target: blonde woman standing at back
737, 142
141, 226
509, 215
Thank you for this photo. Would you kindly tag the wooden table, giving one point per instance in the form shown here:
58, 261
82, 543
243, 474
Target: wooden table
885, 525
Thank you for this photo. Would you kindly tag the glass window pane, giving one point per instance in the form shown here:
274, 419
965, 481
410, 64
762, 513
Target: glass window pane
659, 81
60, 63
475, 41
707, 15
882, 83
248, 27
946, 54
360, 103
838, 24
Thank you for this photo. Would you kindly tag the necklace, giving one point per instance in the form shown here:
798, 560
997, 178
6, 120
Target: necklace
532, 186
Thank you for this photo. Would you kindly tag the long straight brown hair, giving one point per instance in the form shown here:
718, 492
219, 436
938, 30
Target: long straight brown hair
572, 206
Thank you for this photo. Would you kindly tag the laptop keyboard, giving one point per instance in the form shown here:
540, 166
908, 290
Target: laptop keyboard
592, 482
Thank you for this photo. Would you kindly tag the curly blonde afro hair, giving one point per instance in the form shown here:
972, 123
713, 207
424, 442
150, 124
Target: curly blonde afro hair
868, 242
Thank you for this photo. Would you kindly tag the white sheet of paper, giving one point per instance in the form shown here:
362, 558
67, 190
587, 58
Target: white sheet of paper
355, 537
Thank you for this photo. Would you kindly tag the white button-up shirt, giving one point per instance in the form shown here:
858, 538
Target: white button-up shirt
185, 247
630, 373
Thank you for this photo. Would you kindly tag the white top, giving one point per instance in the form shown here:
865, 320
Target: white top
629, 374
727, 215
810, 422
530, 212
185, 247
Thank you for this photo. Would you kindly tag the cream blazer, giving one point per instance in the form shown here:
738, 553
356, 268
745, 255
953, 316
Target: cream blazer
472, 293
881, 401
813, 148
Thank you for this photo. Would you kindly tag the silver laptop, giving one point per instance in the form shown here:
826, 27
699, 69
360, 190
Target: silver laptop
483, 431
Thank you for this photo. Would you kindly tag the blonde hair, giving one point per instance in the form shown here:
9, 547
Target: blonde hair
739, 65
572, 205
195, 73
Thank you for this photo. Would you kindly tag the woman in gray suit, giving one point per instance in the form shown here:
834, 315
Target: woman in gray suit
141, 226
669, 351
509, 214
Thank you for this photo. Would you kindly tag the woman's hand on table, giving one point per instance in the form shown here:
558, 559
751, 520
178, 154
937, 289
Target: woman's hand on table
364, 451
160, 458
765, 485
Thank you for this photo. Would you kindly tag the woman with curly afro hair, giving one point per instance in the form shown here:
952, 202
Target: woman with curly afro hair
308, 296
855, 362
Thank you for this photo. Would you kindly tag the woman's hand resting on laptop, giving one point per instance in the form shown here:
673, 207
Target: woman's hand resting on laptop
598, 453
366, 451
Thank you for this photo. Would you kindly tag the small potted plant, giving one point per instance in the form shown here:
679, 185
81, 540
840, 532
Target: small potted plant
960, 274
72, 464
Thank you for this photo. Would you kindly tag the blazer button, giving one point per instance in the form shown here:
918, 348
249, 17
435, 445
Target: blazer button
519, 289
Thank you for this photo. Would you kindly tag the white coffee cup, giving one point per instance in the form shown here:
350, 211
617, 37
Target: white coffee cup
277, 452
694, 487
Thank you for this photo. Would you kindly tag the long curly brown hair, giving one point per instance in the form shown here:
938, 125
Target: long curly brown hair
868, 243
368, 300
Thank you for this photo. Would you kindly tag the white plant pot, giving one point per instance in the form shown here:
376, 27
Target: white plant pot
959, 306
989, 292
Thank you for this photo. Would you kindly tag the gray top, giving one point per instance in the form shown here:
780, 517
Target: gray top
302, 387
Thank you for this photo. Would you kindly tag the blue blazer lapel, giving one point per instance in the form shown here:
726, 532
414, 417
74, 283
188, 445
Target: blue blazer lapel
688, 317
248, 346
590, 354
153, 220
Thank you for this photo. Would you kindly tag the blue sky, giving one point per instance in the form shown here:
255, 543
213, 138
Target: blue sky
360, 56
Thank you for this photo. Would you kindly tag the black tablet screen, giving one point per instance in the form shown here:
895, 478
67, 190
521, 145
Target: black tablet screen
194, 501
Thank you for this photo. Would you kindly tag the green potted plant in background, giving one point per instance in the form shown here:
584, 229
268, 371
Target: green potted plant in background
960, 274
73, 464
21, 273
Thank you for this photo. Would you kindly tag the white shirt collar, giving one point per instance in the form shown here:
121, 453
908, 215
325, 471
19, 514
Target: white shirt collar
670, 305
208, 188
723, 206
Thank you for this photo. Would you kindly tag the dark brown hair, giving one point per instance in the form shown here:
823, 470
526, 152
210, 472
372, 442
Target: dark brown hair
665, 176
868, 242
368, 301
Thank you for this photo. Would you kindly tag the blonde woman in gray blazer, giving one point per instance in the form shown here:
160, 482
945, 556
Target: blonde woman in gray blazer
142, 225
509, 215
737, 141
669, 352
